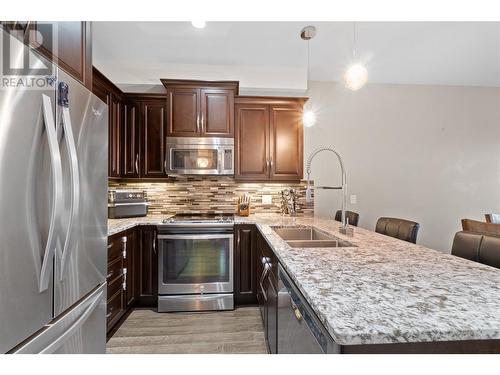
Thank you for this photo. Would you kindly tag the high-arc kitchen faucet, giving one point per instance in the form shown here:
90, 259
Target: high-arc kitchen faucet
343, 187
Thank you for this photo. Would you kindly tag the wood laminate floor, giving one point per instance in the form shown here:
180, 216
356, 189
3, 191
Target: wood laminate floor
146, 331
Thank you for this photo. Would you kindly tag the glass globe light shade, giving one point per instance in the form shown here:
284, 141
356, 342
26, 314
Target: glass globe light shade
355, 77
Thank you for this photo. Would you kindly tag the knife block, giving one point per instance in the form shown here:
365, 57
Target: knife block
243, 209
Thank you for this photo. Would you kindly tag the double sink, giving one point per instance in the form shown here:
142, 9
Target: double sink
306, 237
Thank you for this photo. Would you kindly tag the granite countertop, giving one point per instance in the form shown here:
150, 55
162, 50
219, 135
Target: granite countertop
119, 225
385, 290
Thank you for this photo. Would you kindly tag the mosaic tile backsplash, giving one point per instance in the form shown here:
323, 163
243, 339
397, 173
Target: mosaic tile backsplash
190, 195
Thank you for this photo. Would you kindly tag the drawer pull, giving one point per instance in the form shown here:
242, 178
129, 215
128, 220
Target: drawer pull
110, 246
109, 314
109, 275
296, 311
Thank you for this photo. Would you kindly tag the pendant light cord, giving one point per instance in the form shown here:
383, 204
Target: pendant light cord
354, 41
307, 83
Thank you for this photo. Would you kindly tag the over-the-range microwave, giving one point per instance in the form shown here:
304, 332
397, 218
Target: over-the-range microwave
200, 156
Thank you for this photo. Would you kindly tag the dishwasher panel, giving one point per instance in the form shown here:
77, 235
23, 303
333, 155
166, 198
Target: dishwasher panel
299, 330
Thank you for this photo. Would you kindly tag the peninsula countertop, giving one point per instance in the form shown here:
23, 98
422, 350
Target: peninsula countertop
383, 290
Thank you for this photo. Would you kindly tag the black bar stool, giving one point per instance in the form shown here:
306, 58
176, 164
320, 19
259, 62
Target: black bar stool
402, 229
353, 217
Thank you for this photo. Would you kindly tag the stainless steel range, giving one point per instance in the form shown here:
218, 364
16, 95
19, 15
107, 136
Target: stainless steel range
195, 265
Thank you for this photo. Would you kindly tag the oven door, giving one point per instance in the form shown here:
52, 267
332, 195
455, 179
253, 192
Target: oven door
195, 263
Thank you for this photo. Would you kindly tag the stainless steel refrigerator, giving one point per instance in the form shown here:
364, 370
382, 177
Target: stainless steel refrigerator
53, 218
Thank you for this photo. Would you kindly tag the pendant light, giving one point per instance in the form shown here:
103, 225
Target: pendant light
307, 33
199, 24
356, 75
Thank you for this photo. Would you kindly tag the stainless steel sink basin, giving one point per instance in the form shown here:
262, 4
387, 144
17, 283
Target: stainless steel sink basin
309, 237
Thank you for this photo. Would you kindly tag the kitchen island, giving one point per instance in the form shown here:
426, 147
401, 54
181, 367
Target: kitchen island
386, 295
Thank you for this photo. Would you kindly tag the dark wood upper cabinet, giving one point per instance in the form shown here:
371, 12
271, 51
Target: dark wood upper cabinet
70, 47
115, 136
131, 139
217, 112
153, 125
252, 141
245, 269
286, 146
112, 96
268, 139
200, 108
183, 114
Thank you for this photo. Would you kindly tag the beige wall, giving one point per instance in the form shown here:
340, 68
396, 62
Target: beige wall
426, 153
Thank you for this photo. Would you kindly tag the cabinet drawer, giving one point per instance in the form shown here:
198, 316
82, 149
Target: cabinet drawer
264, 251
114, 307
114, 270
116, 246
115, 285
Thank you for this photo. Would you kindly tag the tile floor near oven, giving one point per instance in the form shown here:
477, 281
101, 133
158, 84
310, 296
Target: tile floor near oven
146, 331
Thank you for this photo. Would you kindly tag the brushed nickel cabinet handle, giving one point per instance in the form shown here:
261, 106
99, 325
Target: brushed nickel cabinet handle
296, 311
109, 275
124, 285
137, 163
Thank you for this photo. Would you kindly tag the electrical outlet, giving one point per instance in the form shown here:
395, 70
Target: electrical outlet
354, 199
267, 199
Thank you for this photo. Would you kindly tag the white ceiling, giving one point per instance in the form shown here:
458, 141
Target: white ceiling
271, 55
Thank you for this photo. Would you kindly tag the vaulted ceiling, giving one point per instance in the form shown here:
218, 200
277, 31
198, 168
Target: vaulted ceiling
271, 55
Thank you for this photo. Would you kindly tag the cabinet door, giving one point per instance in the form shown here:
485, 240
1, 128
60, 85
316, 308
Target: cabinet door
286, 146
153, 138
252, 142
217, 112
131, 158
272, 313
70, 46
148, 285
261, 293
183, 112
131, 262
245, 288
115, 122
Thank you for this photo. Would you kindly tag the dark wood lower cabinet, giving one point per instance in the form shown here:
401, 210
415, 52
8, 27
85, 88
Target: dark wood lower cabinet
116, 278
148, 269
245, 271
132, 272
267, 291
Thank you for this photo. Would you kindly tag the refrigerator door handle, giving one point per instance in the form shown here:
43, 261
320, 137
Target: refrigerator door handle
75, 182
57, 197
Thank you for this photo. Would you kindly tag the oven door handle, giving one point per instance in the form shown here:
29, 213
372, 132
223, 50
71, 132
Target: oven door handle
194, 236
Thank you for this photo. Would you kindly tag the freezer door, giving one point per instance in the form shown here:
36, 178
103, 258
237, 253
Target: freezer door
30, 196
82, 129
80, 330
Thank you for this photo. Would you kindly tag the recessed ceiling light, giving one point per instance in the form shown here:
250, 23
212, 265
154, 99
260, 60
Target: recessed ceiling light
199, 24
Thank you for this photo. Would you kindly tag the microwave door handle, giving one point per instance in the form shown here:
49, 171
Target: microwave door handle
219, 162
57, 197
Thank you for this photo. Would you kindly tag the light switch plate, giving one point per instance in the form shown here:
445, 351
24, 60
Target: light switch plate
267, 199
354, 199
